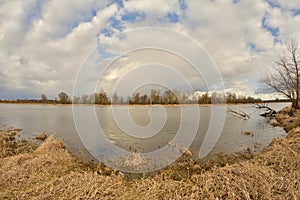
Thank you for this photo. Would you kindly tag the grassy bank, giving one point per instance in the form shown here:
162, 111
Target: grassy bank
49, 171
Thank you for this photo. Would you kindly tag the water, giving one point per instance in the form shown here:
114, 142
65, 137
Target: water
34, 119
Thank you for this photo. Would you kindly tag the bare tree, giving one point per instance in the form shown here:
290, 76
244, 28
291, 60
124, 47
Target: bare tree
102, 98
64, 98
285, 78
44, 98
136, 98
115, 98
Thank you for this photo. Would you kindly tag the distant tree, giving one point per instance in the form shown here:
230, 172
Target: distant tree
204, 99
122, 100
115, 98
155, 97
285, 78
76, 100
64, 98
44, 98
102, 98
184, 99
231, 97
152, 96
136, 98
144, 99
170, 97
214, 98
128, 100
84, 99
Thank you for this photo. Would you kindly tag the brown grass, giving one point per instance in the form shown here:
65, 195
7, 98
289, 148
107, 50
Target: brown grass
50, 172
10, 146
247, 133
288, 119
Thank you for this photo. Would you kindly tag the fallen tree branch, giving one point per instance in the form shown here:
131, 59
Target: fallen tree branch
239, 113
268, 112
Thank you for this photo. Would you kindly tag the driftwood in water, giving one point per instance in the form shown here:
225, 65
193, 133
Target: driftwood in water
239, 113
268, 112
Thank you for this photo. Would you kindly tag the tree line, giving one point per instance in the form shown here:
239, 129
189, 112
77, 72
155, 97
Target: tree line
167, 97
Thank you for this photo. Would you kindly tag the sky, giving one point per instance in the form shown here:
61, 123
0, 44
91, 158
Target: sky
75, 46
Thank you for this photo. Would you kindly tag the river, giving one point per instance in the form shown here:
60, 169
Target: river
80, 134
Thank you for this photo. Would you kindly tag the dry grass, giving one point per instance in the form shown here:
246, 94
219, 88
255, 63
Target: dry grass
274, 122
10, 146
50, 172
250, 133
287, 118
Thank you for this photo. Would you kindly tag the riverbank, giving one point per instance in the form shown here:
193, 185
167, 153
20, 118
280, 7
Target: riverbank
140, 105
49, 171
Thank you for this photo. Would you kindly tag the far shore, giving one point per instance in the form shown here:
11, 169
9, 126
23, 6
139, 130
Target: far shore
138, 105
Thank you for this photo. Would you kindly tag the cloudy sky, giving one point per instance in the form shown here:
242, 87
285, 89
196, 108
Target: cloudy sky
48, 46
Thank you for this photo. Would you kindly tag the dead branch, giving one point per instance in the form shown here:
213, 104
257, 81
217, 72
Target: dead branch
268, 112
239, 113
285, 78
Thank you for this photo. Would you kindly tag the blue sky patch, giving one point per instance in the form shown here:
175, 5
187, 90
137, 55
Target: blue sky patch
107, 32
89, 17
75, 24
273, 31
119, 3
36, 13
273, 3
113, 24
117, 24
296, 12
103, 54
252, 46
182, 4
277, 40
235, 1
173, 17
132, 16
94, 12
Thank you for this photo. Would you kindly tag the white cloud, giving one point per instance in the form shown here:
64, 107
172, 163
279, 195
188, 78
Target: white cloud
292, 4
43, 44
156, 8
52, 48
276, 17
